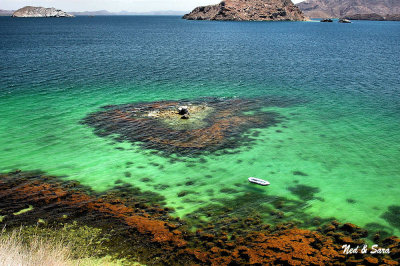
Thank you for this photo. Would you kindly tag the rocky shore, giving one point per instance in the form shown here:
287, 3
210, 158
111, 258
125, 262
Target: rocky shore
138, 229
242, 10
40, 12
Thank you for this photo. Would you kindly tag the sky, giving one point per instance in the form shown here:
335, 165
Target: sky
112, 5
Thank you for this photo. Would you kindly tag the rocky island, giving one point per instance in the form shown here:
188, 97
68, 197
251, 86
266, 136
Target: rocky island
246, 10
40, 12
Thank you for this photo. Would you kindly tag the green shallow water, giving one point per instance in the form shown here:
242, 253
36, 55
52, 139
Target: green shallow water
340, 138
344, 157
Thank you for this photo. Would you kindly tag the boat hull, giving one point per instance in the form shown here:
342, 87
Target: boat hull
258, 181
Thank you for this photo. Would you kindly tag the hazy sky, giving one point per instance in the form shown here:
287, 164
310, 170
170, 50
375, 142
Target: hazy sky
111, 5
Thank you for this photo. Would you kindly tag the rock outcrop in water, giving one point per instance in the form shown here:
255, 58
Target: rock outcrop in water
40, 12
249, 10
344, 8
214, 124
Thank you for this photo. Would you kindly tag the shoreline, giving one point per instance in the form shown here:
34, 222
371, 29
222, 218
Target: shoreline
140, 229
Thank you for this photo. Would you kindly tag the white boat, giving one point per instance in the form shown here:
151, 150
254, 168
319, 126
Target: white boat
259, 181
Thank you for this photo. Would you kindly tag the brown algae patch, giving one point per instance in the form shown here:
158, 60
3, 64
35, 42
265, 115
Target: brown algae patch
212, 124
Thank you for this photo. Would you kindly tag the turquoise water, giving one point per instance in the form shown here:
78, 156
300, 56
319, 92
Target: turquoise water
340, 138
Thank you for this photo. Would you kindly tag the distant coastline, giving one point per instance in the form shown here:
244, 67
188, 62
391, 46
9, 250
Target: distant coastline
9, 13
374, 17
128, 13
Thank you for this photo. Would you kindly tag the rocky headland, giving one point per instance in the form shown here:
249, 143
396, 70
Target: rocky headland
344, 8
40, 12
246, 10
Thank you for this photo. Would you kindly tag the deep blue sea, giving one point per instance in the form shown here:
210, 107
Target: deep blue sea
336, 87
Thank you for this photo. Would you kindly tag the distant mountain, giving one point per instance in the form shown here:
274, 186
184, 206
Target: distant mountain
93, 13
128, 13
108, 13
342, 8
6, 12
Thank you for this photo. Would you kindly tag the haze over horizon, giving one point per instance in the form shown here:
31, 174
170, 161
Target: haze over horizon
112, 5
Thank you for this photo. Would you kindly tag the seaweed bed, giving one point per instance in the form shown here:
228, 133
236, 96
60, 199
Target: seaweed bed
214, 124
139, 228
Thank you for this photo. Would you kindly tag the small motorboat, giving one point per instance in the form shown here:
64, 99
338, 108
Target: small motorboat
258, 181
343, 20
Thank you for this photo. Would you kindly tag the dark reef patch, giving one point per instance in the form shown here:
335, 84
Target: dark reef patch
184, 193
190, 183
228, 190
214, 124
161, 186
132, 193
351, 201
378, 232
304, 192
256, 204
392, 216
299, 173
210, 192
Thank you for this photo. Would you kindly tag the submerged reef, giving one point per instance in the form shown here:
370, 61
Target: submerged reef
146, 232
212, 124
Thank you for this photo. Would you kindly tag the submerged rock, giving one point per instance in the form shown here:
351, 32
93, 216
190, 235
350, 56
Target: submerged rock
255, 10
40, 12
